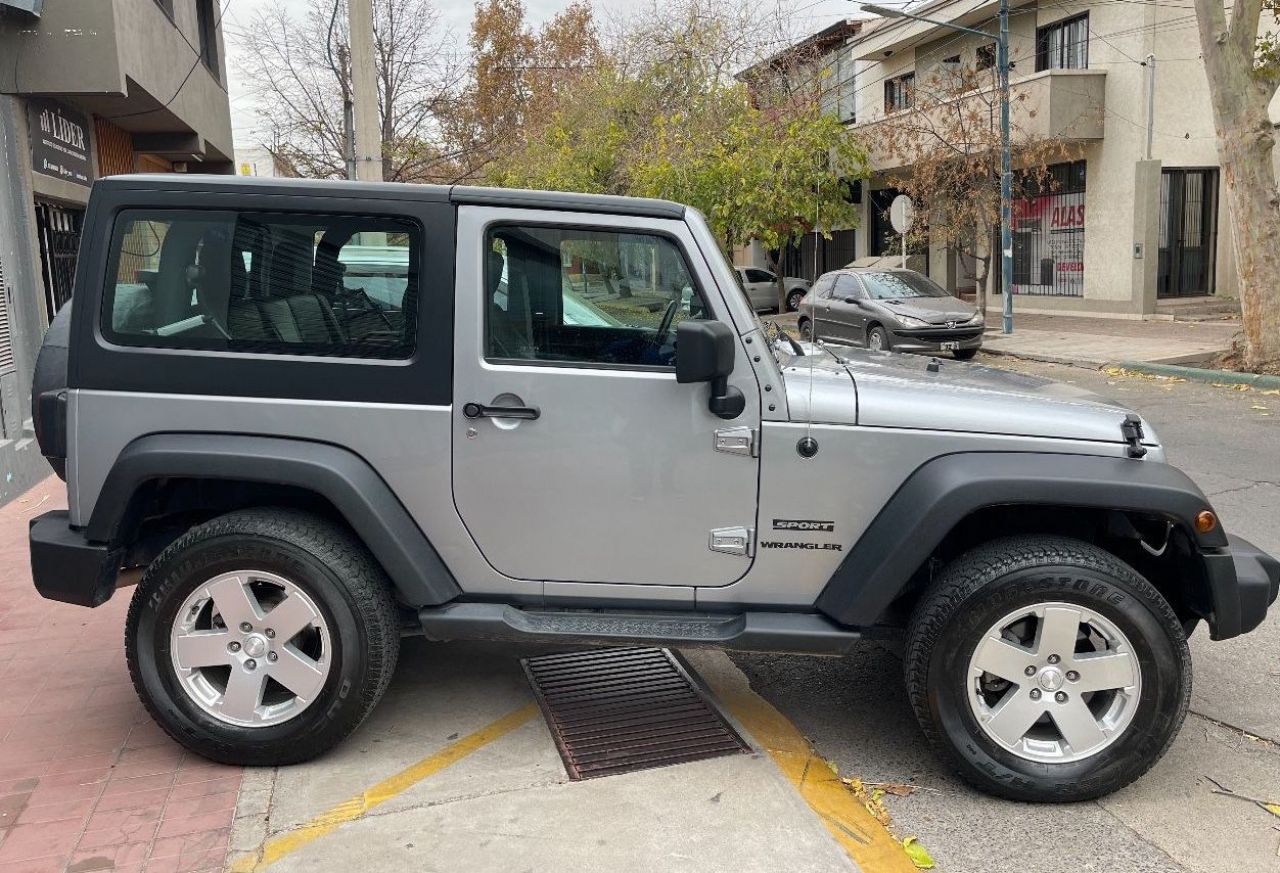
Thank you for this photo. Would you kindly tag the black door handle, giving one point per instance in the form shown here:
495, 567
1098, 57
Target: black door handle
479, 410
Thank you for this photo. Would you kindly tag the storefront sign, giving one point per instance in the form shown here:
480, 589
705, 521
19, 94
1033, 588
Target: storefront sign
59, 141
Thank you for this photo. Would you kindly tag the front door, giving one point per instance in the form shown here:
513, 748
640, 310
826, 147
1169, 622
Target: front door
845, 322
577, 457
1188, 232
761, 288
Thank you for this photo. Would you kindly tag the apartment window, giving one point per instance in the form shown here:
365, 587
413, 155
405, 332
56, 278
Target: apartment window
899, 92
1063, 45
985, 57
847, 100
207, 23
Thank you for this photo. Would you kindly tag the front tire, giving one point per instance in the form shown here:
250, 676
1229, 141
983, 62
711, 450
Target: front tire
965, 354
878, 339
262, 637
806, 330
1047, 670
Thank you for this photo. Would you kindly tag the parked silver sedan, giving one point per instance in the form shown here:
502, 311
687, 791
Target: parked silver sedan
884, 310
762, 288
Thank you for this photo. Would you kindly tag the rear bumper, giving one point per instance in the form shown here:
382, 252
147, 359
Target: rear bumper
1243, 582
66, 566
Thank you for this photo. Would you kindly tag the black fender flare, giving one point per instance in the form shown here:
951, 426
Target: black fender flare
944, 491
342, 477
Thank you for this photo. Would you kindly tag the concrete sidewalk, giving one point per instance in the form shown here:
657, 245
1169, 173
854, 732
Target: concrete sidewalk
1062, 339
506, 803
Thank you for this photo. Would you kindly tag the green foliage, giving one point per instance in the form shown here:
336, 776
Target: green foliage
672, 131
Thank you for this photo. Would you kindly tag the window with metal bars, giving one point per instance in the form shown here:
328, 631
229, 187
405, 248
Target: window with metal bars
1063, 45
207, 24
899, 92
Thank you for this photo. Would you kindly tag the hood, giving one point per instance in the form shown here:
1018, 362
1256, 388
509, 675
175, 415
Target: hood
819, 387
935, 310
897, 390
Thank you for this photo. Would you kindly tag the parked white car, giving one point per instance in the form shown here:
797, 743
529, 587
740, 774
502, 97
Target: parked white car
762, 288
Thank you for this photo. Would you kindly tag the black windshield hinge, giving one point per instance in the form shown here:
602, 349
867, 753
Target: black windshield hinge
1131, 430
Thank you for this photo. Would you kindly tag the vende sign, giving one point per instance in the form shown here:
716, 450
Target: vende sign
59, 141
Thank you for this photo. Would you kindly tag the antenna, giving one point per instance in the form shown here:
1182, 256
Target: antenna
813, 322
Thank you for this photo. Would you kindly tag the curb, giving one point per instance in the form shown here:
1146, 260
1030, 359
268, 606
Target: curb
1044, 359
1197, 374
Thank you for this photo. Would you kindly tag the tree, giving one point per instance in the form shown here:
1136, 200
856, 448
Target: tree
947, 148
662, 117
1244, 73
298, 72
516, 74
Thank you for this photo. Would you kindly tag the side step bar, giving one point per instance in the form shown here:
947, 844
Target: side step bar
800, 633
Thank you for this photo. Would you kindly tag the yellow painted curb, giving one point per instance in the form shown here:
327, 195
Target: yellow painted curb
866, 841
356, 807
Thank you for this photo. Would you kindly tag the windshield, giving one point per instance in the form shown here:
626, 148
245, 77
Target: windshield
900, 284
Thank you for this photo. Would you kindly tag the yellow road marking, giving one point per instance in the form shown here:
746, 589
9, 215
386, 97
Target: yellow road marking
866, 841
355, 807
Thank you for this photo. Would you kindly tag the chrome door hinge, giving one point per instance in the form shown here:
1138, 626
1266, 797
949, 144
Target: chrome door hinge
738, 441
733, 541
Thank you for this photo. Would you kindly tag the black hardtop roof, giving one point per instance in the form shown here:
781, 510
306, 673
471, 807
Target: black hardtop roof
459, 194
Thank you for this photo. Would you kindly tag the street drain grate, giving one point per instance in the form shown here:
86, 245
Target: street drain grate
618, 710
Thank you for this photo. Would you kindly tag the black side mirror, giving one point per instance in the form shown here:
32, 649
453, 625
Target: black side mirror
704, 353
854, 300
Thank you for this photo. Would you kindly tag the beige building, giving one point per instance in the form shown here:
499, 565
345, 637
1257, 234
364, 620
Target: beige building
1121, 229
88, 88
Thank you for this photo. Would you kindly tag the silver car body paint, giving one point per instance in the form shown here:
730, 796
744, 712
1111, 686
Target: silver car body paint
636, 450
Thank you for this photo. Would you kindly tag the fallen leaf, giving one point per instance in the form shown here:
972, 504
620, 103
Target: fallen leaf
897, 789
1257, 406
917, 853
1273, 808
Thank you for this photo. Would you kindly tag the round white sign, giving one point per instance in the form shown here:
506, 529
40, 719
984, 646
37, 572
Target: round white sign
901, 213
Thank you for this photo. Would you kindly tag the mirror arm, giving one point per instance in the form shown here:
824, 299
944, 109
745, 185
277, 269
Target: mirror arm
726, 401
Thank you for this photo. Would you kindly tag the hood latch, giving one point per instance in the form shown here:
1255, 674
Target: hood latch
1131, 430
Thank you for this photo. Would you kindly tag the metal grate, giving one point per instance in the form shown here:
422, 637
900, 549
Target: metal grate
614, 711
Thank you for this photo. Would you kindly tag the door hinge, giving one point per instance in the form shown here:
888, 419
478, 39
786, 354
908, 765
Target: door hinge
738, 441
733, 540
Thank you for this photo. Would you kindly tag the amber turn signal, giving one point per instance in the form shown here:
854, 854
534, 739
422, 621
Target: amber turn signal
1205, 521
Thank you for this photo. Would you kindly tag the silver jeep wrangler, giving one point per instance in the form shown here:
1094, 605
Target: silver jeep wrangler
319, 416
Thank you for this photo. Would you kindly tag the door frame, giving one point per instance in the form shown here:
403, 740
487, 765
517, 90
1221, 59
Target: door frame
1168, 284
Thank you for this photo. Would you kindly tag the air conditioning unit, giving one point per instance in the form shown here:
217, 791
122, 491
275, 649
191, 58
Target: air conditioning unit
31, 7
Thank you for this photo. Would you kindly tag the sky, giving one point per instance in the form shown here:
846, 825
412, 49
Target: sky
456, 14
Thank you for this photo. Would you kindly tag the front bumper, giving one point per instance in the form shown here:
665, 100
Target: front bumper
68, 567
1243, 582
931, 338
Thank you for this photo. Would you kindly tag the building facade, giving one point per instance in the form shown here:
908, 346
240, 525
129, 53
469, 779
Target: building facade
1134, 213
88, 88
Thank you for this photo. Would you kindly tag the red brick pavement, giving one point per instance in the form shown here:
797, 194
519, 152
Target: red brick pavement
87, 781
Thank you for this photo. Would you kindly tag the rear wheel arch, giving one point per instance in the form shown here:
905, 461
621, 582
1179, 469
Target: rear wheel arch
163, 484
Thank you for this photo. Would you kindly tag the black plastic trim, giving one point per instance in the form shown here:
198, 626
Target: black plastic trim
1243, 582
942, 492
599, 203
66, 567
343, 478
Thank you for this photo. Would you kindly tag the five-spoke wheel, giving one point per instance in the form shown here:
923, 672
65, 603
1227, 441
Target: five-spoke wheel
262, 637
1047, 669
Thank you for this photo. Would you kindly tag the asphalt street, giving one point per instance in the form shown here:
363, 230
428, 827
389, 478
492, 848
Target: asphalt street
855, 710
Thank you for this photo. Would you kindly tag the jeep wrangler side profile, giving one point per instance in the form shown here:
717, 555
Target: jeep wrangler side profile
320, 415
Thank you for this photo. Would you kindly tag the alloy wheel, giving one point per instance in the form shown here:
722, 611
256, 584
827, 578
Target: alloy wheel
1054, 682
251, 648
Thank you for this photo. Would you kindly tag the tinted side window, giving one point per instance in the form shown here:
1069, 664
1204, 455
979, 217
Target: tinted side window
759, 276
822, 288
585, 296
337, 285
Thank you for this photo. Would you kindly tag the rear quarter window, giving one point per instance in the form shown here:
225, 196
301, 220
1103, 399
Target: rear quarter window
256, 282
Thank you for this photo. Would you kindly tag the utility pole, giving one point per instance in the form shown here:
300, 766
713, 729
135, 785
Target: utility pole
1150, 62
368, 126
348, 116
1006, 146
1006, 173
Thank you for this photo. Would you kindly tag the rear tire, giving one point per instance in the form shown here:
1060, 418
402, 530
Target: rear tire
1094, 723
212, 670
793, 300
